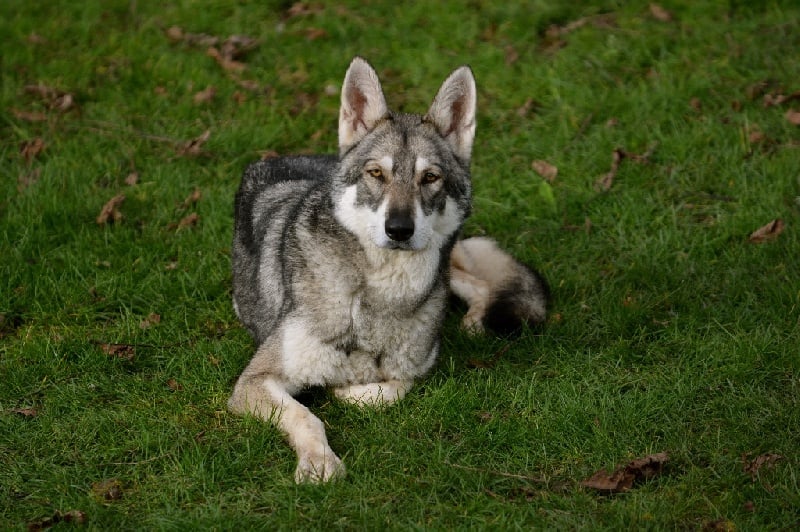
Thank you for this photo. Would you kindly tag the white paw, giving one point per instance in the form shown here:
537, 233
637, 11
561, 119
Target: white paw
473, 320
374, 395
315, 468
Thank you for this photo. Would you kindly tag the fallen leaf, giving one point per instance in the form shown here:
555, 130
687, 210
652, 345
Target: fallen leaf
189, 220
109, 490
793, 117
227, 63
696, 104
123, 351
659, 13
236, 46
525, 109
753, 466
73, 516
110, 211
205, 95
174, 33
132, 178
767, 232
194, 146
313, 34
174, 385
53, 98
615, 482
607, 179
30, 149
545, 169
192, 198
303, 9
772, 99
25, 412
28, 116
623, 478
150, 320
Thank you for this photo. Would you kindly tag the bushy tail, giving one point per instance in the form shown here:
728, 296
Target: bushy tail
502, 293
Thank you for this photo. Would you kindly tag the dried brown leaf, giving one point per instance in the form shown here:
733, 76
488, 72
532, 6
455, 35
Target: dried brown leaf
752, 467
659, 13
205, 95
236, 46
615, 482
123, 351
190, 220
110, 211
696, 104
194, 146
192, 198
53, 98
313, 34
545, 169
793, 117
174, 385
25, 412
150, 320
607, 179
174, 33
132, 178
767, 232
73, 516
30, 149
525, 108
28, 116
227, 63
303, 9
109, 489
623, 478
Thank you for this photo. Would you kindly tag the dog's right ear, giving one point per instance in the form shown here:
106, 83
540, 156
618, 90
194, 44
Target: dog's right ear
363, 103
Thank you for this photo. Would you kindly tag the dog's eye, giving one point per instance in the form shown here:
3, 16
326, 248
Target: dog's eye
376, 173
430, 177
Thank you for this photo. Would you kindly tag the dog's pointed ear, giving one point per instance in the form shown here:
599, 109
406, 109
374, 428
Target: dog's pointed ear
453, 111
363, 103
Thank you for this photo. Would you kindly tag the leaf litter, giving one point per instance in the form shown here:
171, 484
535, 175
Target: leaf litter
605, 181
623, 478
767, 232
752, 467
110, 211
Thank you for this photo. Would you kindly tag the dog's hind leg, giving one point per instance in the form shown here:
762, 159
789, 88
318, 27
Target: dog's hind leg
269, 398
375, 394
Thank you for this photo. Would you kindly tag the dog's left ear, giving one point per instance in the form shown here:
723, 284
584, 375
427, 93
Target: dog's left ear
453, 111
363, 103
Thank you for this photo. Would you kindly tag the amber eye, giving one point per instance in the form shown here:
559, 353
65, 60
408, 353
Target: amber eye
376, 173
429, 177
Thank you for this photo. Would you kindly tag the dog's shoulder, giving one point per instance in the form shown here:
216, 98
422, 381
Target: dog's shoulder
266, 172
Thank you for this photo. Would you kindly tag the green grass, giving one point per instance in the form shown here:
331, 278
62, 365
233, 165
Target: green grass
670, 330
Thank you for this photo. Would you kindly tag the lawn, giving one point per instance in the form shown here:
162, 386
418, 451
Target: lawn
644, 157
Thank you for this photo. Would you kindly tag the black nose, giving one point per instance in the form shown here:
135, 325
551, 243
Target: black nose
399, 227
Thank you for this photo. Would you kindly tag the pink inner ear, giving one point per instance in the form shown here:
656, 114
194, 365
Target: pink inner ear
358, 101
457, 110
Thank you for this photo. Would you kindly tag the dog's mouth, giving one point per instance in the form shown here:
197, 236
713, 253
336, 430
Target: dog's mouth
402, 246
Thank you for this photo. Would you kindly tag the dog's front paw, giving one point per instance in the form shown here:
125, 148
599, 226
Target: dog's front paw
315, 468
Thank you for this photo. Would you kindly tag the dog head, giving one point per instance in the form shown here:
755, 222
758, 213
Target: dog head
403, 180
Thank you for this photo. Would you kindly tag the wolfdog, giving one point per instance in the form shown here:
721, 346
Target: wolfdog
342, 264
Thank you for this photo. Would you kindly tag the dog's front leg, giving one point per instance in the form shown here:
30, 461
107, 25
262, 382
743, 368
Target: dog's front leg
374, 394
269, 398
